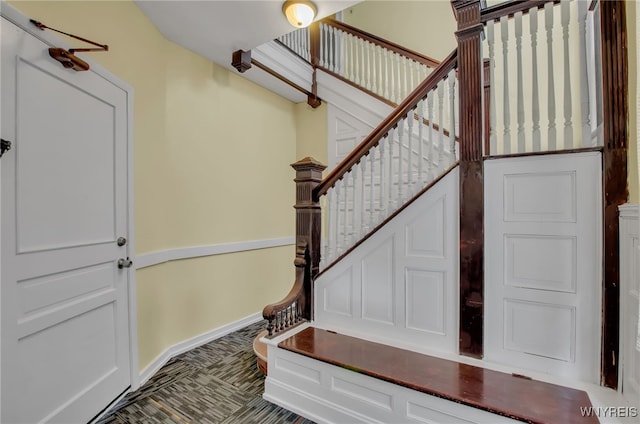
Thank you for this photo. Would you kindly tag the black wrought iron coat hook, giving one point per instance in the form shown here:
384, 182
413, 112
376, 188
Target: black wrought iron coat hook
5, 145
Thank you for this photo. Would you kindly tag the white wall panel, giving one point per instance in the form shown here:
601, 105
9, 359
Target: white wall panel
377, 283
402, 282
337, 294
524, 254
424, 234
554, 199
540, 329
425, 301
375, 398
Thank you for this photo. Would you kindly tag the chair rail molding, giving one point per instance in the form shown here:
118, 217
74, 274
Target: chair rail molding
145, 260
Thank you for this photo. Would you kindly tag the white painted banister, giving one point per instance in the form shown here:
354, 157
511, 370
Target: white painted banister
547, 52
371, 63
408, 154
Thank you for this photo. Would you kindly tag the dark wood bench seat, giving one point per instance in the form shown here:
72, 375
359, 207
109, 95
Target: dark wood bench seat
505, 394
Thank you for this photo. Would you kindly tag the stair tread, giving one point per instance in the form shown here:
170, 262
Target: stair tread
497, 392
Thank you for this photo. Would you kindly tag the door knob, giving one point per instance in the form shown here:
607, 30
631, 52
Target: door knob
125, 263
121, 241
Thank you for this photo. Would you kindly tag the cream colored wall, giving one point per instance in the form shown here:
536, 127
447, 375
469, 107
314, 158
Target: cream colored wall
425, 26
312, 132
212, 155
632, 40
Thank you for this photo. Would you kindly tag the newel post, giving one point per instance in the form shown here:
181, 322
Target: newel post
308, 218
470, 68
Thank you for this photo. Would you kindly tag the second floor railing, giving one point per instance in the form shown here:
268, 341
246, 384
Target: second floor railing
382, 68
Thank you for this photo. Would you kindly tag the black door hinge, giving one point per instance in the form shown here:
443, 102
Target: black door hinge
5, 145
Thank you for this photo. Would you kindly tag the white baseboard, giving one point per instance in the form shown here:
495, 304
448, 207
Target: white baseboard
194, 342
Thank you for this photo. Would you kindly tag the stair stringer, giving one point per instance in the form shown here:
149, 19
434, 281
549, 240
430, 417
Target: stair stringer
400, 286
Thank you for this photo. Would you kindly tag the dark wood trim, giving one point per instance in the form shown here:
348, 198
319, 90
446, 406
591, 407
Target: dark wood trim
389, 45
312, 99
390, 122
486, 73
470, 70
389, 218
615, 93
510, 8
546, 153
241, 60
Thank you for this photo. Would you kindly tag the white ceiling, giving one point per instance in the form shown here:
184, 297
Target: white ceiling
217, 28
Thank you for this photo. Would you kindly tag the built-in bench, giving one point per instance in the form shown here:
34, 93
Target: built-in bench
508, 395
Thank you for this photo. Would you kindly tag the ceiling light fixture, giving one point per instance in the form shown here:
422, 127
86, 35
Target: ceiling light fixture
299, 13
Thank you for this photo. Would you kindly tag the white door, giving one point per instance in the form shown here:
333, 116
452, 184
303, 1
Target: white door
543, 256
64, 306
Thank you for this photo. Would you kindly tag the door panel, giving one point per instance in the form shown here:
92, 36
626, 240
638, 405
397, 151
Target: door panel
56, 208
63, 193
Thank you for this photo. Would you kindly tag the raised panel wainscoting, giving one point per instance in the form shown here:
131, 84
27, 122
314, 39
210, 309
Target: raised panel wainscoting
401, 283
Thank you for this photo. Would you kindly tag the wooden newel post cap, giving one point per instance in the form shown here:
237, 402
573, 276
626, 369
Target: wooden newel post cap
308, 162
308, 169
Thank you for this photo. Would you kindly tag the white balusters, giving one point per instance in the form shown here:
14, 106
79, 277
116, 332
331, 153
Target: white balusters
399, 96
353, 212
534, 83
451, 80
356, 59
372, 165
390, 199
322, 60
440, 167
374, 77
583, 18
334, 48
367, 48
493, 139
535, 100
400, 177
405, 91
386, 84
345, 211
383, 202
430, 156
506, 112
392, 92
568, 125
421, 178
520, 88
551, 94
410, 119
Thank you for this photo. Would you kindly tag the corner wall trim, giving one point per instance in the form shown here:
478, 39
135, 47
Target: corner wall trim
155, 258
194, 342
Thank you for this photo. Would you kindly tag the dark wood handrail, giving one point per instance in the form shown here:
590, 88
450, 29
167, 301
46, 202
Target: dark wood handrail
509, 9
389, 45
291, 310
390, 122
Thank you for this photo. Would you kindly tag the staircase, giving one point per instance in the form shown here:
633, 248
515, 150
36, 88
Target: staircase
456, 233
